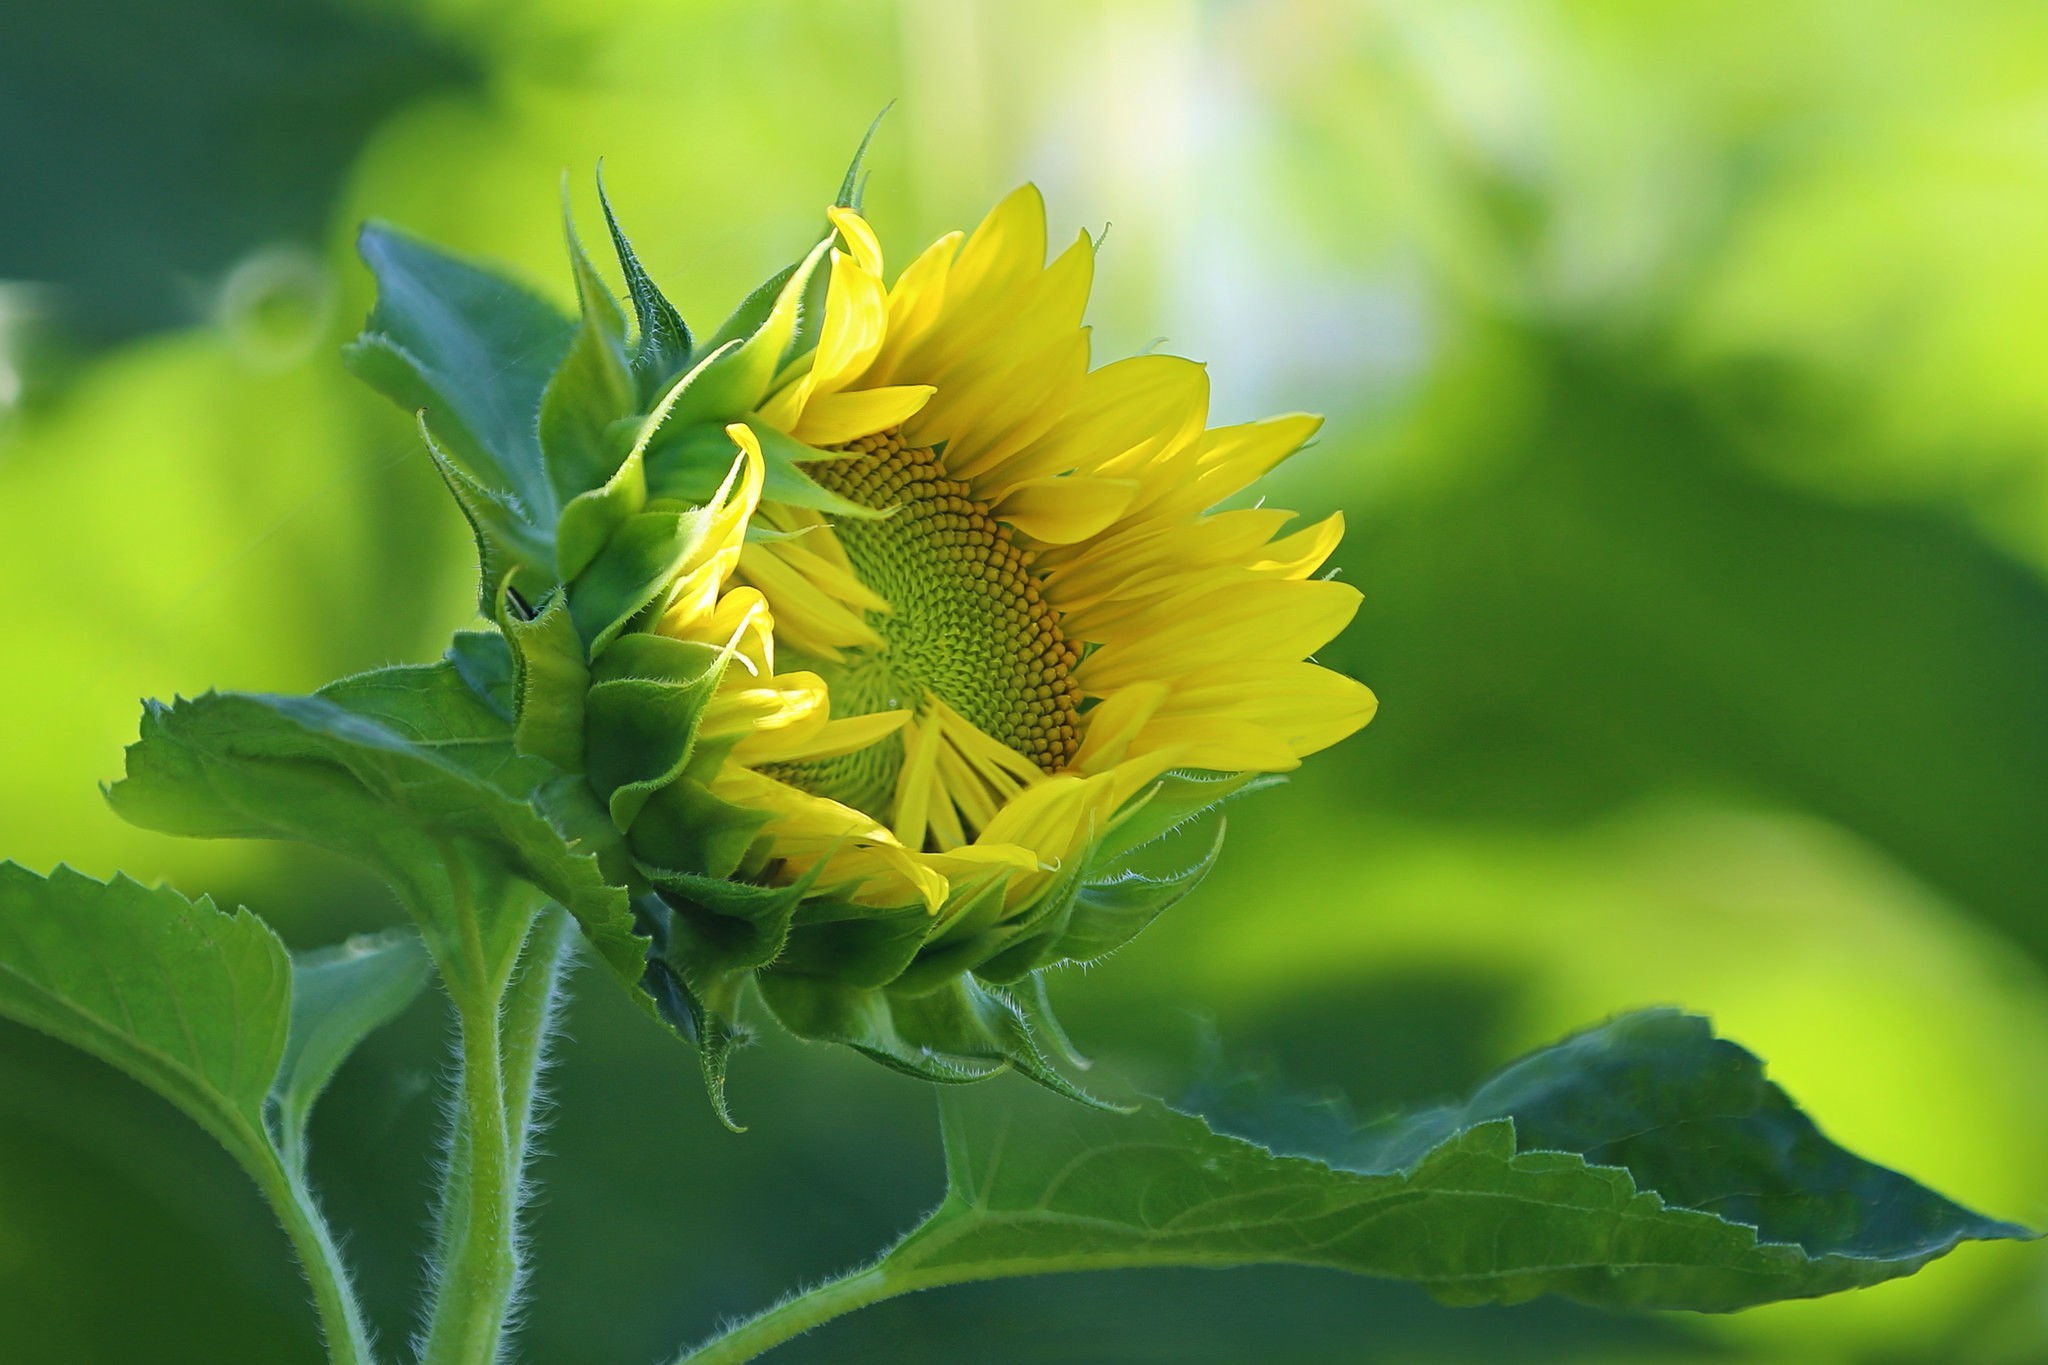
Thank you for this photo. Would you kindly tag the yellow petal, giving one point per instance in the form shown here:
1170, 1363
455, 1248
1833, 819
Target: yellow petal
1113, 724
1060, 511
1261, 619
1302, 553
1125, 414
856, 318
847, 735
834, 418
806, 616
860, 238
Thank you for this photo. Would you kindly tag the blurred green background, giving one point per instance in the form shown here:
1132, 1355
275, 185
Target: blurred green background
1685, 367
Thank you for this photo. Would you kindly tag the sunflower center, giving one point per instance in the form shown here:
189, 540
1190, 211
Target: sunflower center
966, 622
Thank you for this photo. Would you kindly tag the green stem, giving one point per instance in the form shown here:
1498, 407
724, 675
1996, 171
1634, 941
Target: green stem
482, 1266
530, 1009
504, 1025
795, 1316
341, 1318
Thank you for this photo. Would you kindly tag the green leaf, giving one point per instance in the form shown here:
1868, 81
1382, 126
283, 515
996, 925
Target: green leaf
472, 349
1641, 1164
340, 995
194, 1003
407, 769
189, 1000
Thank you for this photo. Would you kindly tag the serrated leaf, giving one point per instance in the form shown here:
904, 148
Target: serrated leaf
472, 349
405, 768
188, 999
340, 995
1641, 1164
191, 1001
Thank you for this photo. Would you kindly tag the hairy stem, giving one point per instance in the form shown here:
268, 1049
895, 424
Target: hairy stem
795, 1316
503, 1026
482, 1265
341, 1318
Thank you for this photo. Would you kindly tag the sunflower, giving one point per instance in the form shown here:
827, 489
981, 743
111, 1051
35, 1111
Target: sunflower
1016, 609
884, 653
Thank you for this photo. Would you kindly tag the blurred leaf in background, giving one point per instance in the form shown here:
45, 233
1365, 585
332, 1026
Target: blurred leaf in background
1683, 370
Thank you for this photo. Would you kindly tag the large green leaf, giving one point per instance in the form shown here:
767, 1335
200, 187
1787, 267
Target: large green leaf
340, 995
188, 999
1642, 1164
407, 769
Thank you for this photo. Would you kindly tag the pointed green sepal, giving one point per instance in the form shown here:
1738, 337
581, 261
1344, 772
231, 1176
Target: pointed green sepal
510, 550
736, 381
590, 392
549, 682
662, 349
646, 699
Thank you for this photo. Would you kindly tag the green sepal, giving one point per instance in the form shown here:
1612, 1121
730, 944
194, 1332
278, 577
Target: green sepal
858, 944
720, 931
591, 390
683, 824
689, 464
1175, 799
661, 350
510, 550
591, 517
646, 698
961, 1032
1119, 899
1157, 849
639, 561
734, 382
753, 310
714, 1037
484, 661
959, 941
853, 183
783, 478
471, 349
549, 682
588, 523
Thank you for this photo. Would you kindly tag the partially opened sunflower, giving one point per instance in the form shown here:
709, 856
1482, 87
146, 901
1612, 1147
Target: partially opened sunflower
939, 632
